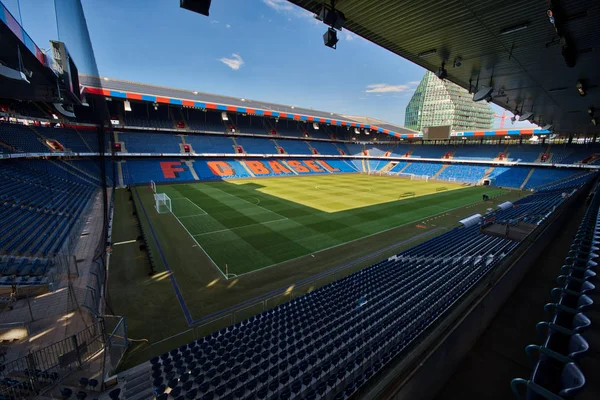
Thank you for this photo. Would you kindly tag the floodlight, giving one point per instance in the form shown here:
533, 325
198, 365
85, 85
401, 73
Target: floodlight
330, 38
580, 88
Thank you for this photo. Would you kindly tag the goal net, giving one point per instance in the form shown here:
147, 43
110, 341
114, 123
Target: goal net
153, 186
162, 203
414, 177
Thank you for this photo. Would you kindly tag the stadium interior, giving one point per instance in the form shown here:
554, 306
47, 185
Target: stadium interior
160, 243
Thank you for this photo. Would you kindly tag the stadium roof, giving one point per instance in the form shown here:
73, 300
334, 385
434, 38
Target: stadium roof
513, 41
140, 91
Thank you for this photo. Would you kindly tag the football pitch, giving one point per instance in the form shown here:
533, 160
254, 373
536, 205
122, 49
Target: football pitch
247, 225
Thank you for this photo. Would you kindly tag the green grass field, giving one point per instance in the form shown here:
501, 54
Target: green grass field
253, 224
315, 229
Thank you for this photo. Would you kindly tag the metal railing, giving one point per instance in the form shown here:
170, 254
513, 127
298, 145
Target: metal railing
41, 369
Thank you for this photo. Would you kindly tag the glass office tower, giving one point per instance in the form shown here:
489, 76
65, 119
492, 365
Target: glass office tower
439, 102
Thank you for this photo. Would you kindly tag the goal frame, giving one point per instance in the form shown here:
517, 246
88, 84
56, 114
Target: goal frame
153, 186
162, 203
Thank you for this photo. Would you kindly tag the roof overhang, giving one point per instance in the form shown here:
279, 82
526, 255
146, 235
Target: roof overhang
511, 43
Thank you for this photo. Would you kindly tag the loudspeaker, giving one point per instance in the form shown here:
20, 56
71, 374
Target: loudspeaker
197, 6
330, 38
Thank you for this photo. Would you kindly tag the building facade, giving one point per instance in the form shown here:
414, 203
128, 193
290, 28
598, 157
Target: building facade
439, 102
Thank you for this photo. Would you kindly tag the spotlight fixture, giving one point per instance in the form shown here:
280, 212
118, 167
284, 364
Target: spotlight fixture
581, 88
335, 19
442, 73
458, 62
594, 121
330, 38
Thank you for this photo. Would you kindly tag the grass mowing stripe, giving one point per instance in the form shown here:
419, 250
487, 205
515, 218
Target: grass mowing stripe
240, 212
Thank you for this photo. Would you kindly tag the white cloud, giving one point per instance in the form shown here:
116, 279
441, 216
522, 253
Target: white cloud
278, 5
349, 35
235, 62
388, 88
283, 6
227, 26
214, 21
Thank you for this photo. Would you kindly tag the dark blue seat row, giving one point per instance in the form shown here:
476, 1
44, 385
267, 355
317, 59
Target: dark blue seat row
328, 343
560, 361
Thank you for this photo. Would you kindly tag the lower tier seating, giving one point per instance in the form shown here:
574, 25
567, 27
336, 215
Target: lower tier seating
328, 343
176, 170
566, 359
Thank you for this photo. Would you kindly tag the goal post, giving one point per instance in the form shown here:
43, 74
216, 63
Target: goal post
162, 203
153, 186
414, 177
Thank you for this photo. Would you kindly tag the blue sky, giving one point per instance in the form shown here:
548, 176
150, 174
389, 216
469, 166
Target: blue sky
260, 49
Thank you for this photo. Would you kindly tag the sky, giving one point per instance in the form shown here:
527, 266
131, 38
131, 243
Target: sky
266, 50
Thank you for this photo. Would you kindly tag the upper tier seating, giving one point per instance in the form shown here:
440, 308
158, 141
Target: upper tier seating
211, 144
325, 148
328, 343
430, 151
22, 138
295, 146
40, 203
69, 138
257, 145
150, 142
527, 153
475, 152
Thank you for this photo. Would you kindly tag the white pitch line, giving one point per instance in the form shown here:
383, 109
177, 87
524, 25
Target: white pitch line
197, 206
240, 227
198, 244
125, 242
194, 215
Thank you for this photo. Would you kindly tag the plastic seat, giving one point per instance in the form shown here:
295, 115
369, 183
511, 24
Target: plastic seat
572, 381
577, 347
579, 324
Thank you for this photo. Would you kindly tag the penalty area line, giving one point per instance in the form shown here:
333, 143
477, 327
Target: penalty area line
201, 248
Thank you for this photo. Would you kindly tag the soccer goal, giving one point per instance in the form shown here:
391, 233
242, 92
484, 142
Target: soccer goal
162, 203
414, 177
153, 186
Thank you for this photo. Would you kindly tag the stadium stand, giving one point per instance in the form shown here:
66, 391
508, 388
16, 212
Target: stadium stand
325, 148
211, 144
512, 177
21, 138
150, 142
398, 167
430, 151
39, 214
479, 153
143, 171
328, 343
463, 173
295, 146
525, 153
68, 138
256, 145
423, 168
564, 362
543, 176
